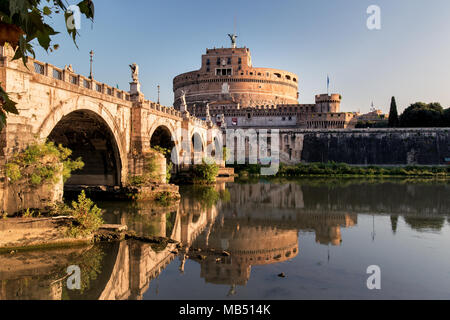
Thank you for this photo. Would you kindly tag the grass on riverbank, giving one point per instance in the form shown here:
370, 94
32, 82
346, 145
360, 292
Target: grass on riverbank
344, 170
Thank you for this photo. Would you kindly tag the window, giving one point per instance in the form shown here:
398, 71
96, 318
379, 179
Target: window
224, 72
98, 87
218, 61
38, 68
208, 69
229, 61
86, 84
240, 61
119, 95
208, 62
57, 74
277, 75
109, 91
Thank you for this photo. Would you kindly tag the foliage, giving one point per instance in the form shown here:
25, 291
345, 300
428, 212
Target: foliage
87, 216
164, 151
421, 114
169, 168
206, 196
226, 154
6, 106
150, 171
22, 22
165, 198
446, 118
30, 213
393, 114
371, 124
343, 169
136, 181
91, 264
205, 173
41, 163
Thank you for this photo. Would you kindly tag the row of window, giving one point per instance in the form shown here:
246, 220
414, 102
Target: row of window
219, 61
224, 72
193, 82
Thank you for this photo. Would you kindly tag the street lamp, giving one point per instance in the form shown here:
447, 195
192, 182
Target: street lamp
91, 54
158, 93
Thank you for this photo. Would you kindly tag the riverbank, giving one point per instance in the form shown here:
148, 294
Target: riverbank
37, 233
28, 234
344, 170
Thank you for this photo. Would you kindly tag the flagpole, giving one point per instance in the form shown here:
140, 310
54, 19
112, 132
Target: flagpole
328, 85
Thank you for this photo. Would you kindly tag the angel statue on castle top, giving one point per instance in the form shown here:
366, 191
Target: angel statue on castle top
134, 72
233, 40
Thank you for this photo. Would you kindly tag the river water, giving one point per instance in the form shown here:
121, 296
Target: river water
321, 234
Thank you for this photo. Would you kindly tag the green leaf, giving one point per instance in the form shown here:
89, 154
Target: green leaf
87, 8
47, 11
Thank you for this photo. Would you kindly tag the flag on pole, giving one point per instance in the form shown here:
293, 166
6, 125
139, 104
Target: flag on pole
328, 84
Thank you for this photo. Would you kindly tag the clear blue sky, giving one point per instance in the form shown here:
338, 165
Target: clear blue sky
408, 58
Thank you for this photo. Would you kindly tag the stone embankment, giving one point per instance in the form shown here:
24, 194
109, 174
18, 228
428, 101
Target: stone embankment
31, 233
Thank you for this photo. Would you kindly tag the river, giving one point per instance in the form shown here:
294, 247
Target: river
291, 239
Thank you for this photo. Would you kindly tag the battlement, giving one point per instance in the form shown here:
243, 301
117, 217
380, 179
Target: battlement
328, 98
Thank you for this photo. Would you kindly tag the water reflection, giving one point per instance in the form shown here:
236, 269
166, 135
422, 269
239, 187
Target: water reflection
258, 224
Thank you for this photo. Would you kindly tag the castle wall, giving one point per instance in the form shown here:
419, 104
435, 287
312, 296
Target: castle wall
369, 146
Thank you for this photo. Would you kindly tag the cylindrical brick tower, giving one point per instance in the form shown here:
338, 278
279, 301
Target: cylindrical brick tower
227, 75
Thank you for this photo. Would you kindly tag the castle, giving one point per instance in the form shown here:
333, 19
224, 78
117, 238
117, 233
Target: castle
233, 93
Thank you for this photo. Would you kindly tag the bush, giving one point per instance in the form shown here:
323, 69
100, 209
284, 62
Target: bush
205, 173
40, 163
87, 216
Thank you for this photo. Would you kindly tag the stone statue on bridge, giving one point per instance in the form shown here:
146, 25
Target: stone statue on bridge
183, 107
134, 72
208, 114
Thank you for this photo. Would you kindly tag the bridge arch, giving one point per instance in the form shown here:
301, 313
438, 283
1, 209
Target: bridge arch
197, 148
92, 133
163, 135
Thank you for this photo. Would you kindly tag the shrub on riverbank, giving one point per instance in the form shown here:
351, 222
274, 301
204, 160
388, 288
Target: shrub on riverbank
87, 217
41, 163
343, 169
205, 173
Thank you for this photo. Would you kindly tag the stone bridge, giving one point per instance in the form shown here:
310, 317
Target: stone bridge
109, 128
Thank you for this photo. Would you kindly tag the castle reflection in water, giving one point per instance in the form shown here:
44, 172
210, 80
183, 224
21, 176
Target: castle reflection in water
255, 223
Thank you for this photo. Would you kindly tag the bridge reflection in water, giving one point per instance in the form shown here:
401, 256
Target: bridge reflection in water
256, 224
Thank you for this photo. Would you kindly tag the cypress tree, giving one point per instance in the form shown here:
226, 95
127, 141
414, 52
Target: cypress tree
393, 114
